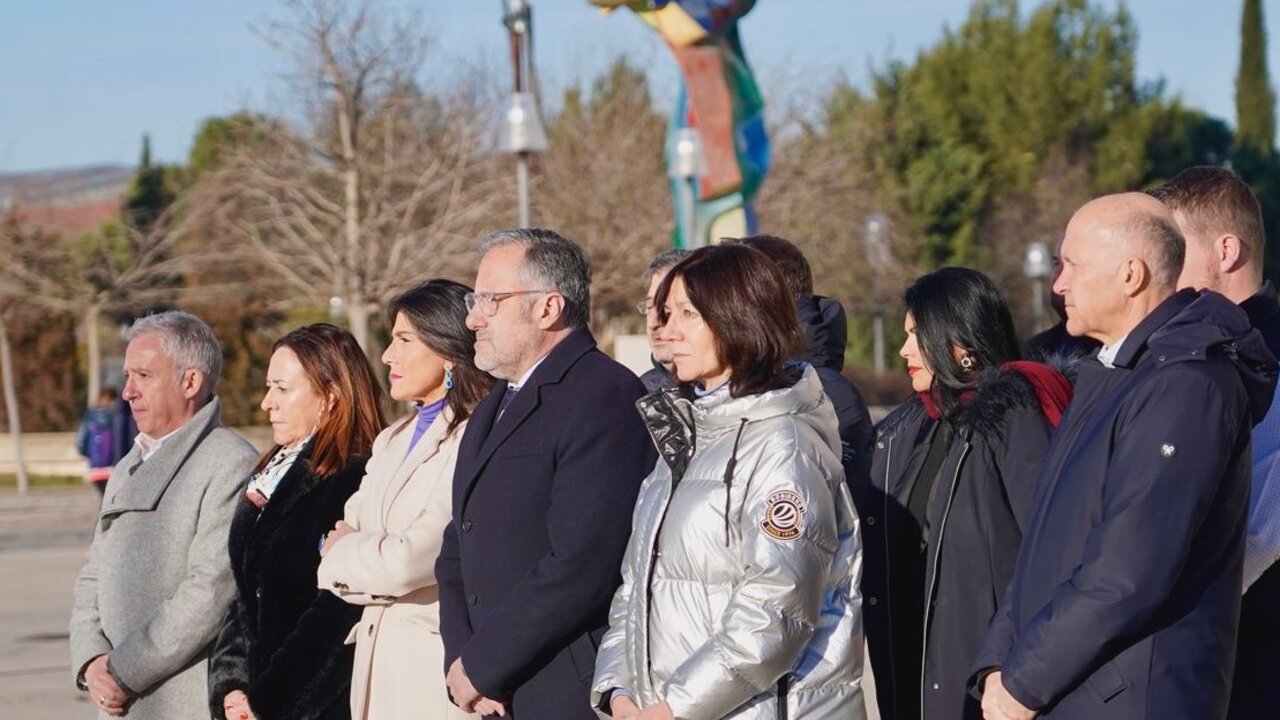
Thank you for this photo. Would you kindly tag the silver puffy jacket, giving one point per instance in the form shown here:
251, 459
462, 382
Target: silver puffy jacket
740, 595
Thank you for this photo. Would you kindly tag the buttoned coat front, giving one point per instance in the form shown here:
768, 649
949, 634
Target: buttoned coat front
158, 580
388, 566
542, 505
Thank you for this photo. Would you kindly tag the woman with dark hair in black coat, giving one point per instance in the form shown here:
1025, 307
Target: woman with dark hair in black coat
952, 477
282, 651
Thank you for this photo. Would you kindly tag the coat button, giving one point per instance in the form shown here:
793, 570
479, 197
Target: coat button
873, 601
871, 519
370, 628
880, 446
473, 599
935, 687
466, 526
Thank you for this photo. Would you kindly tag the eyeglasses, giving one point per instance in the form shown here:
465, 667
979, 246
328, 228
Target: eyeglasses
487, 302
645, 307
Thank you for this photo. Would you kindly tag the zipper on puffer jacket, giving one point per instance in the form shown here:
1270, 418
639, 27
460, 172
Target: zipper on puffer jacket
728, 477
784, 688
657, 542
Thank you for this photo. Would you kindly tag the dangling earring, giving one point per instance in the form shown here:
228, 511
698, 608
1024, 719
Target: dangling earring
448, 379
966, 362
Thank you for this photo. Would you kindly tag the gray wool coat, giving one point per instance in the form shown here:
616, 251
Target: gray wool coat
158, 581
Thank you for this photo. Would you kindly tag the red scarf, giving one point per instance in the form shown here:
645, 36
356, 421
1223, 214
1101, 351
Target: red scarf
1051, 387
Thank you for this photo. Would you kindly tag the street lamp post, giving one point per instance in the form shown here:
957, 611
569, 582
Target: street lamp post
688, 162
524, 134
879, 256
1037, 265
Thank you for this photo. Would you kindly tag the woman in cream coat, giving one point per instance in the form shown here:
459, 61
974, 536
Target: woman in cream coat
382, 554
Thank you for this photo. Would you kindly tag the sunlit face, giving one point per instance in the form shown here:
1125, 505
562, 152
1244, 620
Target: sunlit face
161, 398
292, 404
692, 344
653, 324
1200, 268
1055, 300
416, 371
1090, 283
508, 342
919, 370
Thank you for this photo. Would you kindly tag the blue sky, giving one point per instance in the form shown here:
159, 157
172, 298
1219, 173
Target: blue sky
82, 80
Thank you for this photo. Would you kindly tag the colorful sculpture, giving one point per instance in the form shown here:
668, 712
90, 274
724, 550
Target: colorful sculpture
718, 97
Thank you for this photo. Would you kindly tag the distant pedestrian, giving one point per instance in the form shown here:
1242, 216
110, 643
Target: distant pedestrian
97, 438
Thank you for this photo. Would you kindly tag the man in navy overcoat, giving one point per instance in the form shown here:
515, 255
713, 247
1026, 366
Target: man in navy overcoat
1125, 599
547, 477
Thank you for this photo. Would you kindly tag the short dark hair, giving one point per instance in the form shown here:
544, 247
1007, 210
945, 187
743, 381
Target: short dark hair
960, 307
335, 365
437, 311
1164, 239
742, 298
1215, 200
792, 263
664, 261
553, 261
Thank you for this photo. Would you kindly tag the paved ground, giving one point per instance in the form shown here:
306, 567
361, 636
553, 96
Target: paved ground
43, 538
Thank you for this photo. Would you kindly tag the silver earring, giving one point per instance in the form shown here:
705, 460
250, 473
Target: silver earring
966, 362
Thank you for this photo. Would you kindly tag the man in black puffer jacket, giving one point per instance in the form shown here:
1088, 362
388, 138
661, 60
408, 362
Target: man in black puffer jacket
825, 326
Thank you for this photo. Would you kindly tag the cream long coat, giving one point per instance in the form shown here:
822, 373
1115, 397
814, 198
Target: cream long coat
388, 565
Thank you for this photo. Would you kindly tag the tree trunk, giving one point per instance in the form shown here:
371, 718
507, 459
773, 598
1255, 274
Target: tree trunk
11, 407
358, 322
93, 348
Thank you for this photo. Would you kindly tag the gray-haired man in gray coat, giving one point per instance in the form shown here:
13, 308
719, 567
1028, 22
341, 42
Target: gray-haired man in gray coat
158, 581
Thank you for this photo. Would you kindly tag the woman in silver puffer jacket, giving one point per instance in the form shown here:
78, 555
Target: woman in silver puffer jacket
740, 584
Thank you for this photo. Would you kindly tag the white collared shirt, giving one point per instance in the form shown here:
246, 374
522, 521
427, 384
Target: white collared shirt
150, 446
515, 386
1107, 355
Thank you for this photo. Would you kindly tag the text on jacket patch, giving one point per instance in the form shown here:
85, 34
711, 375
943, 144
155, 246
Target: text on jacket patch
783, 515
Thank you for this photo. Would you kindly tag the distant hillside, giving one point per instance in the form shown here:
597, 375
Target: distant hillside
68, 201
93, 184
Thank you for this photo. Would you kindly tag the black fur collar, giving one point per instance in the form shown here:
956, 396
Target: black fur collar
1000, 392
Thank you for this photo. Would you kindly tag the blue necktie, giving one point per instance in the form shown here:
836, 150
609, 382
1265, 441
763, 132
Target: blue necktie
506, 400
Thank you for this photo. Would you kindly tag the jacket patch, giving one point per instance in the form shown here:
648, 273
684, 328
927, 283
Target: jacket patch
783, 515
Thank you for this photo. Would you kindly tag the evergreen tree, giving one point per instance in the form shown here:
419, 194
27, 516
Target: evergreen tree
150, 195
1255, 98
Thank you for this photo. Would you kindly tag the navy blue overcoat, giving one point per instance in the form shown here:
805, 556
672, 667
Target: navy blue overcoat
542, 503
1125, 598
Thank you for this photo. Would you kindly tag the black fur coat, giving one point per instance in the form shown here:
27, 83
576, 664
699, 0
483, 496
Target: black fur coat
283, 639
976, 512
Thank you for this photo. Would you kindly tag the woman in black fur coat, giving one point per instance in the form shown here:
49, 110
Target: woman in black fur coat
281, 653
953, 472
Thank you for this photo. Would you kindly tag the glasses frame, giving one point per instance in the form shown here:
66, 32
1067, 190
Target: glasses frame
482, 300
